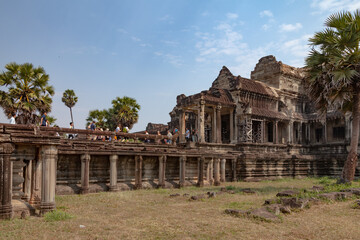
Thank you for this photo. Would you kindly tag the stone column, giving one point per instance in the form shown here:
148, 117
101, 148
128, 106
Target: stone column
200, 182
6, 150
162, 168
308, 127
290, 132
182, 126
182, 161
113, 173
214, 132
85, 173
218, 124
222, 170
263, 133
27, 181
232, 126
209, 172
49, 155
300, 133
217, 172
347, 128
325, 132
201, 121
233, 168
35, 198
275, 135
138, 172
236, 129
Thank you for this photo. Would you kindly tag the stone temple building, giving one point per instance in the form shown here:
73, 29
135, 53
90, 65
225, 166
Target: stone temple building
270, 107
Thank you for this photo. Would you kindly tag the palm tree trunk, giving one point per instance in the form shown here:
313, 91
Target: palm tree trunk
72, 120
348, 172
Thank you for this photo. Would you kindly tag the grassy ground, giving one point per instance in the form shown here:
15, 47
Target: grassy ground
152, 214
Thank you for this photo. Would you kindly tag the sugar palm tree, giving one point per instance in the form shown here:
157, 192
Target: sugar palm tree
70, 99
27, 92
125, 111
99, 116
334, 74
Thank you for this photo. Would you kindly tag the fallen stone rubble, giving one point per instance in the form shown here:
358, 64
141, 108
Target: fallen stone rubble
289, 201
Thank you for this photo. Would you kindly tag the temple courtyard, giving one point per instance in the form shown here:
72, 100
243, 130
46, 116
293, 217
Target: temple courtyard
171, 214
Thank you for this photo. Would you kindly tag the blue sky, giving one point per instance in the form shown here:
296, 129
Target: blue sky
152, 50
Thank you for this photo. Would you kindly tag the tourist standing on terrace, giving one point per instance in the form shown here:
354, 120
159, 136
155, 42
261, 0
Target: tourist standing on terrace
146, 139
159, 139
44, 122
117, 130
169, 135
92, 127
71, 136
12, 119
187, 134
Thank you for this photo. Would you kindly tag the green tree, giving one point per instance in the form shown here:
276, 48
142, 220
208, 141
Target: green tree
69, 99
52, 120
27, 92
99, 116
125, 111
334, 80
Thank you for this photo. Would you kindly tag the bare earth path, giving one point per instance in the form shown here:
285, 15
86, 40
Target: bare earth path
152, 214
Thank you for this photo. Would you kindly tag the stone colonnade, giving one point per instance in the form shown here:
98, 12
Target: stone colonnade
215, 171
216, 123
40, 179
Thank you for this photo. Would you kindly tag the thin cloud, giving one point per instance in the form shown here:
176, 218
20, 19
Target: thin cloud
174, 60
297, 47
290, 27
266, 13
232, 16
334, 5
121, 30
135, 39
167, 18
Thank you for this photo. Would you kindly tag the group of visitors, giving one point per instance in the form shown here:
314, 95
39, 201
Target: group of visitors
172, 136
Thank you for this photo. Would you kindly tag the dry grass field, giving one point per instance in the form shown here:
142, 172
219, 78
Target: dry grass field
152, 214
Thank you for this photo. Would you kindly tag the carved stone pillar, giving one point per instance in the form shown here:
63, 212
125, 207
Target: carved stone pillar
85, 173
347, 128
214, 132
290, 132
276, 138
325, 132
28, 180
138, 172
233, 168
222, 170
201, 123
300, 140
236, 129
232, 126
182, 126
217, 172
210, 171
218, 124
35, 198
308, 128
113, 173
162, 168
49, 155
182, 161
6, 150
200, 182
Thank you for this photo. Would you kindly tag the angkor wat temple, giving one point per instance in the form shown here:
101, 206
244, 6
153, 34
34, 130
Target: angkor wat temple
248, 129
270, 107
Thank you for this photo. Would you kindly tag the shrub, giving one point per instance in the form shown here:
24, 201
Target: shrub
57, 215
